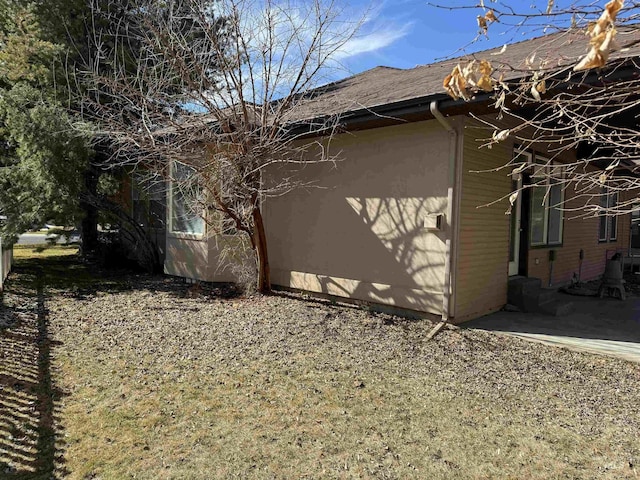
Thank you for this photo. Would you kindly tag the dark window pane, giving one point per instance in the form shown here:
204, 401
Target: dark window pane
148, 198
602, 230
613, 228
613, 220
537, 216
555, 215
602, 235
157, 213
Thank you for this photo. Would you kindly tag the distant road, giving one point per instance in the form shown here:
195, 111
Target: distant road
36, 239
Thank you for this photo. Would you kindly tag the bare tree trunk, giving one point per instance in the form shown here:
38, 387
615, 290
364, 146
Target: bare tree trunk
89, 225
260, 244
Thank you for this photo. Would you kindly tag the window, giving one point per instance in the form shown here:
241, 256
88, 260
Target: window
186, 201
149, 200
608, 229
547, 197
635, 226
228, 185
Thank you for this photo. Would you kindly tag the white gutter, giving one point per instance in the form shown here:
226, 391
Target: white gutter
449, 294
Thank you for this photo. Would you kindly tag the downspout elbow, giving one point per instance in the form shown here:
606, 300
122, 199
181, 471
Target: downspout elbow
437, 114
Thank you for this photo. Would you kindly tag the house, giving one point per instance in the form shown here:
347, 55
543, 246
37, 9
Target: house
409, 218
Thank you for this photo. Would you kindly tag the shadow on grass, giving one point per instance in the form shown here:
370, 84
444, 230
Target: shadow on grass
30, 434
67, 274
70, 275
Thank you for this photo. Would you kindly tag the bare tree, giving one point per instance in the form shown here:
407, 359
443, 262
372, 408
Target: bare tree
575, 89
211, 99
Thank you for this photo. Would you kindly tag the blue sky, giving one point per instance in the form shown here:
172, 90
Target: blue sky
406, 33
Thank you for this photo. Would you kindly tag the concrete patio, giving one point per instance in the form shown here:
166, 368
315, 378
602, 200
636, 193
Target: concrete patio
605, 326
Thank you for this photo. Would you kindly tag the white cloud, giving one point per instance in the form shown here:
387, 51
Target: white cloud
373, 41
300, 44
382, 25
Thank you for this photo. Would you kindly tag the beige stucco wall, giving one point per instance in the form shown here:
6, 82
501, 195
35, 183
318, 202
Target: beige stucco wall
362, 233
187, 257
199, 258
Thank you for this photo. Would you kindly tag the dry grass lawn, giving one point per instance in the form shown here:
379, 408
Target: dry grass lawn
126, 376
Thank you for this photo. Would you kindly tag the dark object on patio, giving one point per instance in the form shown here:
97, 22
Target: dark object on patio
580, 290
612, 279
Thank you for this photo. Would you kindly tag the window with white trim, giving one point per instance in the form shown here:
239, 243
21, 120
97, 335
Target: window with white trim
547, 198
186, 200
608, 228
148, 200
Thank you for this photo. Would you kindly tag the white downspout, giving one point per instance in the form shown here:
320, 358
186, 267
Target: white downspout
449, 297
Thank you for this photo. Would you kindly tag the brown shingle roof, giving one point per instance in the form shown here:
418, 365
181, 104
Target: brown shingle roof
385, 85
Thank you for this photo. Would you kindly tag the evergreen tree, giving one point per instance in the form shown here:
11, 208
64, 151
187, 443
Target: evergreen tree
53, 170
44, 159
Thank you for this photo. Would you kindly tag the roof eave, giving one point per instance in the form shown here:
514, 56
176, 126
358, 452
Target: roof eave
418, 108
405, 111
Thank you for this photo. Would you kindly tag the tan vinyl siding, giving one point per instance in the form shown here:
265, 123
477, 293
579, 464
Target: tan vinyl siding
482, 270
483, 250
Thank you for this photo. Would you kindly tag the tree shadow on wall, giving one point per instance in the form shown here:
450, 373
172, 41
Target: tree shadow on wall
400, 258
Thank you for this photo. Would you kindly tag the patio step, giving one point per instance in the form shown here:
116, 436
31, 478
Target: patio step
527, 294
523, 292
